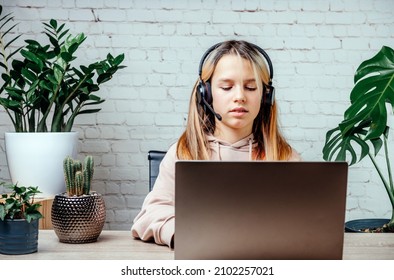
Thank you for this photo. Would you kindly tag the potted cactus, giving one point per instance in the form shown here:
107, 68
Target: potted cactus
78, 215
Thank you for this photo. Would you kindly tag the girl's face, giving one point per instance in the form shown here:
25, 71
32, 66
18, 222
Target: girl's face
236, 97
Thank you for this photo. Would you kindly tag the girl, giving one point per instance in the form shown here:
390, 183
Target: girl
232, 116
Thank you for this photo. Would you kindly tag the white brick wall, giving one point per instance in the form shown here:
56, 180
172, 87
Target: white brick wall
315, 47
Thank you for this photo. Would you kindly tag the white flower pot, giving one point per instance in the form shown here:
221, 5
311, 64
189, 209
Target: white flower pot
36, 159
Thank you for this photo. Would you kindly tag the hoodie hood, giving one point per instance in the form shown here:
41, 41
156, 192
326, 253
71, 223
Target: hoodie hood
240, 150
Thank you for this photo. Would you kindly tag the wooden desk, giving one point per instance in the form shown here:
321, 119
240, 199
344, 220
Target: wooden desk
119, 245
111, 245
368, 246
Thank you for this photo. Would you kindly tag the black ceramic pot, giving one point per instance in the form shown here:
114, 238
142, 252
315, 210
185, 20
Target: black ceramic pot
18, 237
358, 225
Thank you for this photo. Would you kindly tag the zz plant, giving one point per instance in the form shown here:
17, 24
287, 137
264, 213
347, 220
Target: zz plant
43, 91
364, 130
20, 204
78, 176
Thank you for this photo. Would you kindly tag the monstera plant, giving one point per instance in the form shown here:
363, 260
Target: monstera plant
364, 130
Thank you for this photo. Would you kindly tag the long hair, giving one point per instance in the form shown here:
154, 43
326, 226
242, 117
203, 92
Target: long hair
193, 143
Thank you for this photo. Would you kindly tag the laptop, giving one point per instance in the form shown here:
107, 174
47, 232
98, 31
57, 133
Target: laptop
259, 210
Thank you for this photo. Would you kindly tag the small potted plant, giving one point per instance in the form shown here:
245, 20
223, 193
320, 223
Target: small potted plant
19, 216
364, 130
42, 90
78, 215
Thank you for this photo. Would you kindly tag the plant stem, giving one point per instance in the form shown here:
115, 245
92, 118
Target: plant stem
12, 118
56, 125
386, 153
391, 187
385, 183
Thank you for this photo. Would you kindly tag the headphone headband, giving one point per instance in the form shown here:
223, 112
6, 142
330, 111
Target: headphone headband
260, 50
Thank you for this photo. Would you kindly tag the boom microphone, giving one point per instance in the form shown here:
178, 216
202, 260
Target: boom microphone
219, 117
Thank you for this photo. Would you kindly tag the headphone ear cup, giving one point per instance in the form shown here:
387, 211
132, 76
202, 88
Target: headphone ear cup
204, 93
208, 93
268, 95
200, 93
267, 102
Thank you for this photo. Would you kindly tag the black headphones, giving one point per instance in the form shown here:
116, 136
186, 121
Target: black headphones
204, 94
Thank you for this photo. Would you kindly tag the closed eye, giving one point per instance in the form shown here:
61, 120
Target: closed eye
226, 88
251, 88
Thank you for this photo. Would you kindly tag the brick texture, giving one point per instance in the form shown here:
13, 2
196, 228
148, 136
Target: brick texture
315, 47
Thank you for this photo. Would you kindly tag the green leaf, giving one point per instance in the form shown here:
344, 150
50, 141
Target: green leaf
52, 79
88, 111
2, 212
29, 75
85, 69
11, 104
33, 216
110, 57
94, 97
73, 48
93, 87
15, 94
78, 73
53, 23
49, 32
63, 34
119, 59
58, 73
94, 102
374, 87
60, 28
5, 77
45, 85
337, 146
11, 41
33, 67
66, 56
9, 29
53, 41
33, 44
58, 67
3, 66
13, 53
104, 78
32, 57
377, 144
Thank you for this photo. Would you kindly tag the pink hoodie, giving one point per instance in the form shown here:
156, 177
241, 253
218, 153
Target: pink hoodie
156, 219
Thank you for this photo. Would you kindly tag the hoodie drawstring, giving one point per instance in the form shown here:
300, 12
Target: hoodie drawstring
250, 149
218, 150
242, 149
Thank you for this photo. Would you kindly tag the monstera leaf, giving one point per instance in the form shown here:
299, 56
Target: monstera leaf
374, 86
365, 121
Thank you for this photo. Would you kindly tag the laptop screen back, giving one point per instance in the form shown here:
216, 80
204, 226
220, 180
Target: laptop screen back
259, 210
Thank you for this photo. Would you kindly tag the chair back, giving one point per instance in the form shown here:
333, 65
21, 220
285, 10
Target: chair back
155, 157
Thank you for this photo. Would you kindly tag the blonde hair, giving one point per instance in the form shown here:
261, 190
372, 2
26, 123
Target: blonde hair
193, 143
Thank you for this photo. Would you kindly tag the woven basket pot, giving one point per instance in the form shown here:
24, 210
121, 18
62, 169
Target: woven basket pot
78, 219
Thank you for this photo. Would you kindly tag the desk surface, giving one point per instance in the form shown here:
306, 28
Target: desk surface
119, 245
